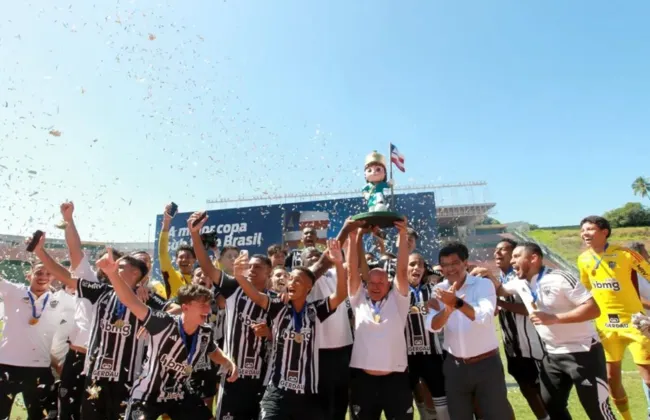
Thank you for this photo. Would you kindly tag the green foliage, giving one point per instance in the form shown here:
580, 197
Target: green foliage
630, 215
534, 226
490, 221
641, 186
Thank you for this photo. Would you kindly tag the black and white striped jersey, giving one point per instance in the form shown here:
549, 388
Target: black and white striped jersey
170, 362
387, 264
294, 365
293, 259
114, 350
520, 338
240, 342
418, 338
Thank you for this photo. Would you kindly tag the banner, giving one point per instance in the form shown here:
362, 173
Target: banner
257, 228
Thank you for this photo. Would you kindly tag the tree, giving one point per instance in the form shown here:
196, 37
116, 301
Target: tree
641, 186
490, 221
630, 215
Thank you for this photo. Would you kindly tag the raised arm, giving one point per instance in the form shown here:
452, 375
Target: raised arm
209, 269
335, 255
72, 239
163, 242
124, 293
402, 282
354, 280
259, 298
57, 270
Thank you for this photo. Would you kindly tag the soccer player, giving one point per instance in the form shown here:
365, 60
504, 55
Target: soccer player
292, 392
114, 350
562, 311
33, 314
240, 399
178, 345
185, 258
425, 352
612, 273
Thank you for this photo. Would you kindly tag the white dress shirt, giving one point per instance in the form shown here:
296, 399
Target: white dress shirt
335, 331
465, 338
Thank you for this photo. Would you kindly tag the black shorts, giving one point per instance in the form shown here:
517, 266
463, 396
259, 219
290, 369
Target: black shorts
429, 368
370, 395
204, 382
240, 399
35, 383
524, 369
109, 402
71, 387
190, 407
279, 404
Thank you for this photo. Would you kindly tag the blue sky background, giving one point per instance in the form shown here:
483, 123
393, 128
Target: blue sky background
547, 101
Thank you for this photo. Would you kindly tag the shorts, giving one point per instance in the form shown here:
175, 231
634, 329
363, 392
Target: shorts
429, 368
279, 404
525, 370
35, 383
240, 399
190, 407
615, 343
204, 382
108, 403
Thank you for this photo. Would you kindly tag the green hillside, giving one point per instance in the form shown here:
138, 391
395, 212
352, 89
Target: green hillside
567, 242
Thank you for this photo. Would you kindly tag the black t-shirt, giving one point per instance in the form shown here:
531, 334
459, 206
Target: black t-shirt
294, 366
114, 350
168, 366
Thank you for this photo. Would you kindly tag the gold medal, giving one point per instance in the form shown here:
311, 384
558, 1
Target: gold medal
188, 370
415, 309
33, 321
119, 323
377, 318
298, 338
593, 272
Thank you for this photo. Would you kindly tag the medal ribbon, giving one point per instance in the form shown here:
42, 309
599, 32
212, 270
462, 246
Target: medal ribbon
503, 277
297, 318
33, 303
599, 260
376, 307
195, 339
535, 292
416, 292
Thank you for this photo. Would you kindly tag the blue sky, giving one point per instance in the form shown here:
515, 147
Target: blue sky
546, 101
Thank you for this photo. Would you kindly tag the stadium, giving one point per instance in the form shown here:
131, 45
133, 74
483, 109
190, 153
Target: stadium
458, 215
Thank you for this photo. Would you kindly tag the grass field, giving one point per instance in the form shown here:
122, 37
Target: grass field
631, 380
567, 243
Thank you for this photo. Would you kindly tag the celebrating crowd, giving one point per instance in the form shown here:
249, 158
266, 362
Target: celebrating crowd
311, 334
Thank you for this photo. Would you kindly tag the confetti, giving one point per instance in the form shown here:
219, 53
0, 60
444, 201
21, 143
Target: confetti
55, 133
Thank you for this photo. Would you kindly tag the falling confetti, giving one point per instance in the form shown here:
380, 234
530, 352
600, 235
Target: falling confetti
55, 133
152, 37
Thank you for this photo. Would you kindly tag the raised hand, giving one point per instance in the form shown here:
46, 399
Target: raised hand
401, 226
241, 265
193, 218
106, 263
333, 252
67, 209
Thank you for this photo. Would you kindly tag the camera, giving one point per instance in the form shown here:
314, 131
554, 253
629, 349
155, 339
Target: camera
209, 240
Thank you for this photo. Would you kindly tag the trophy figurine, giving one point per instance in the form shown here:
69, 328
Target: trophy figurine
374, 193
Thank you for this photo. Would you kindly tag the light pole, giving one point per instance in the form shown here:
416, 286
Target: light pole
149, 237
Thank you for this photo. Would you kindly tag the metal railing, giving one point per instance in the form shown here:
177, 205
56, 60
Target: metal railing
548, 253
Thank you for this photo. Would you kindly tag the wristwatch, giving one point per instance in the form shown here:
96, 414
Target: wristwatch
459, 303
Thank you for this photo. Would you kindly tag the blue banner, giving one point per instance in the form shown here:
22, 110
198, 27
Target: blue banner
257, 228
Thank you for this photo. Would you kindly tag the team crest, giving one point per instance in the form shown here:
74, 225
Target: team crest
54, 303
137, 414
612, 264
25, 299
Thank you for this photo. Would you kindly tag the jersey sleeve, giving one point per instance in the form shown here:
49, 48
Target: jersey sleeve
156, 321
228, 285
639, 264
275, 306
574, 290
584, 275
8, 287
323, 309
170, 302
156, 302
91, 290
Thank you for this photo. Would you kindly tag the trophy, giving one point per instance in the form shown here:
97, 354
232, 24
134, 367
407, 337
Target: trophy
375, 191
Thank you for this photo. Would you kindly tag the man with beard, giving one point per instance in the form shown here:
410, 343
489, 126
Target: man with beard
240, 399
185, 258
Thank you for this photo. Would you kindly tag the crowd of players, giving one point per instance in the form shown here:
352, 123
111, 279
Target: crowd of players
311, 334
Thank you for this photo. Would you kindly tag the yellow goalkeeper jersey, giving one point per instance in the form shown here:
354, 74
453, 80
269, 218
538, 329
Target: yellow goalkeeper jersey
613, 279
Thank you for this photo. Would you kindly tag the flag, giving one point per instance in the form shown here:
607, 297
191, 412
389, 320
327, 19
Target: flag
397, 158
296, 221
